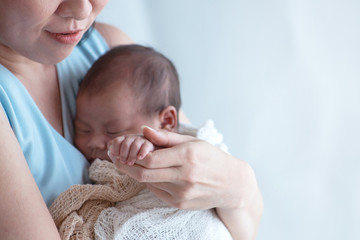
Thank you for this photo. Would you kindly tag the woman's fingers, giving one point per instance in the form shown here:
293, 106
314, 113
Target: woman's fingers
163, 138
155, 160
166, 196
160, 193
146, 175
176, 196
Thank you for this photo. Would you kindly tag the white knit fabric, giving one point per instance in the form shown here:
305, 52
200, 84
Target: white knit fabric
206, 132
145, 217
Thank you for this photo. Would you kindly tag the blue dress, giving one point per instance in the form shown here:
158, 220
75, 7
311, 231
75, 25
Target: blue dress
54, 162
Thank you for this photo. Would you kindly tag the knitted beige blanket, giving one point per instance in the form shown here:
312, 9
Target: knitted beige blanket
76, 210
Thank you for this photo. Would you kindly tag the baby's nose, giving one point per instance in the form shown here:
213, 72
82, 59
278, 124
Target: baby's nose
98, 141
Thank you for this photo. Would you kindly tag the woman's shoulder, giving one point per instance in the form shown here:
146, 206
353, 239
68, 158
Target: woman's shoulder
112, 35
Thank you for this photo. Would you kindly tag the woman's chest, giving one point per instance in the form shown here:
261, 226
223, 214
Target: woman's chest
44, 89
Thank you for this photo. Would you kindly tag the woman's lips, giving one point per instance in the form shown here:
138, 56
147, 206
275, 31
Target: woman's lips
68, 37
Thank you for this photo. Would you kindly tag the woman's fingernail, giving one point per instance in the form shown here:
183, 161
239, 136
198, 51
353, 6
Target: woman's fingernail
144, 126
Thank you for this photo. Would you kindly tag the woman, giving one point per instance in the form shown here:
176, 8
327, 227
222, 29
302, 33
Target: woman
37, 98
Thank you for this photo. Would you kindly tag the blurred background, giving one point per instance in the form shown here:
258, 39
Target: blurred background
281, 80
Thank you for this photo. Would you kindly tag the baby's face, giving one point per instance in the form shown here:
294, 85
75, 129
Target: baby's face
115, 112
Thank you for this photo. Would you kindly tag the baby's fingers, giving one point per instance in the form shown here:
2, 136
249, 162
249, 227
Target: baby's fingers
113, 147
134, 151
125, 150
145, 149
139, 149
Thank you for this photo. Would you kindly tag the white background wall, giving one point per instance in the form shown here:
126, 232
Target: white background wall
281, 80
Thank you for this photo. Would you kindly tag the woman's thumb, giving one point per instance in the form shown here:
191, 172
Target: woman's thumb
163, 138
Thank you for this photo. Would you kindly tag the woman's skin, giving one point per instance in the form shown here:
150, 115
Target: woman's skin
37, 34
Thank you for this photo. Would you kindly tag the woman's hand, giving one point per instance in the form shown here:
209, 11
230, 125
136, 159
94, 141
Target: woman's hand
188, 173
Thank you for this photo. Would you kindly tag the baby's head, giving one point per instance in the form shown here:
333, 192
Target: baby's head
128, 87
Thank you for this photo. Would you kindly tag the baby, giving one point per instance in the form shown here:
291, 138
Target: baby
128, 87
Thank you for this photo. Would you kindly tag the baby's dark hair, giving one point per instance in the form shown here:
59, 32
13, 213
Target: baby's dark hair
152, 77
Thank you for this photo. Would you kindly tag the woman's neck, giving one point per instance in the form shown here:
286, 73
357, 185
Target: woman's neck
40, 80
15, 62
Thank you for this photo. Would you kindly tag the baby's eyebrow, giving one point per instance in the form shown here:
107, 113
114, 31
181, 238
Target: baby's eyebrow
81, 122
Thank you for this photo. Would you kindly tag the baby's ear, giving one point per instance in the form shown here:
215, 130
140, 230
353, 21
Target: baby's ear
168, 118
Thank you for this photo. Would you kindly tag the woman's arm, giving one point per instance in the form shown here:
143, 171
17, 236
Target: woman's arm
192, 174
23, 212
243, 219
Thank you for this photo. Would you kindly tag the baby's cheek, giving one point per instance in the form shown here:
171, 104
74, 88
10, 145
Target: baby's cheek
80, 145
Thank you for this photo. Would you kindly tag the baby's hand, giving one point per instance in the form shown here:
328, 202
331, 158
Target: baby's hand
129, 148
